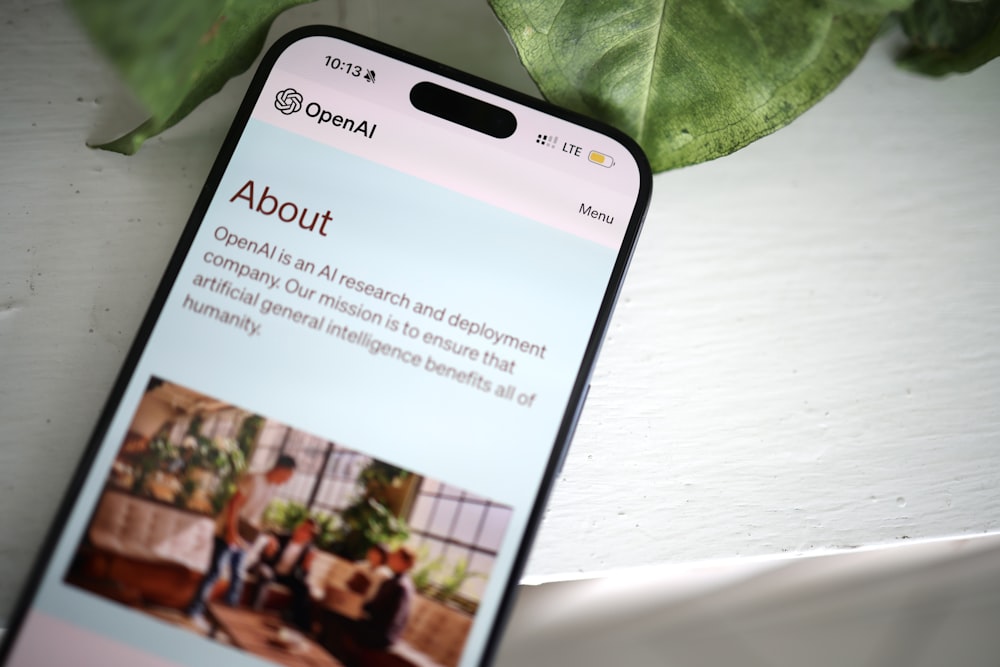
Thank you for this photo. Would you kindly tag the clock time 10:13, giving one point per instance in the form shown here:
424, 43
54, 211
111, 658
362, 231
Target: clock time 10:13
340, 65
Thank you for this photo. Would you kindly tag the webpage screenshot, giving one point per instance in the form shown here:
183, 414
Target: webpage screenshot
349, 400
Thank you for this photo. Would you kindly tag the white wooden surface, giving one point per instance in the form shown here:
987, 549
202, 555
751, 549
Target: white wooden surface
806, 356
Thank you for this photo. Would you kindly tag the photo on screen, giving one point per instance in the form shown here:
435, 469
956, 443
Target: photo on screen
284, 544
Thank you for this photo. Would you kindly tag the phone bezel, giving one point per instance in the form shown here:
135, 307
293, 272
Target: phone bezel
243, 114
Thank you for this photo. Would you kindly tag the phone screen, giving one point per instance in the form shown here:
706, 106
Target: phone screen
378, 318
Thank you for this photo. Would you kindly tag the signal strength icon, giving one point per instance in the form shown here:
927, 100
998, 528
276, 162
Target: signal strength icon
370, 76
547, 140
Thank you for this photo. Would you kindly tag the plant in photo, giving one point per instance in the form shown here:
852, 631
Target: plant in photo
365, 523
452, 582
431, 578
198, 473
282, 516
423, 575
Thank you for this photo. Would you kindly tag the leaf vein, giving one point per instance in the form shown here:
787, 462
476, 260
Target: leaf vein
641, 129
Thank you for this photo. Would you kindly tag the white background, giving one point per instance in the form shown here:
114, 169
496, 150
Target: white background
806, 356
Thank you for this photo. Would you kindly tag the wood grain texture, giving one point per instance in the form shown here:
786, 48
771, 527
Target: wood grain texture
806, 355
806, 352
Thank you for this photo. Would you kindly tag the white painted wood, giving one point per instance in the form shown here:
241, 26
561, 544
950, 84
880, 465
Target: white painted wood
806, 356
807, 353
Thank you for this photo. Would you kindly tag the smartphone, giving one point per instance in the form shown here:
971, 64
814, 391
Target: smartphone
333, 438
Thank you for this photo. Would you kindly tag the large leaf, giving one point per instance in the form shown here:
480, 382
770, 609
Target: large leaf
691, 80
872, 5
174, 54
951, 36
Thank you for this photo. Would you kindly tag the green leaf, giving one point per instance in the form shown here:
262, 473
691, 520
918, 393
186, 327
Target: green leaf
174, 54
872, 5
691, 80
950, 36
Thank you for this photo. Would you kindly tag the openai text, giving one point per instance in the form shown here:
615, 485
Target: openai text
314, 110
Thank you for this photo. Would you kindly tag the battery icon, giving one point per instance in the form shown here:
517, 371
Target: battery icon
601, 159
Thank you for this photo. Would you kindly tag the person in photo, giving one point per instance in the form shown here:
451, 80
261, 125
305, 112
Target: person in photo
387, 612
286, 560
237, 527
370, 572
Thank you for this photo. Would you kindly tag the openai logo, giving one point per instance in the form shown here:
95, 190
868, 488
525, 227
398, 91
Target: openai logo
288, 101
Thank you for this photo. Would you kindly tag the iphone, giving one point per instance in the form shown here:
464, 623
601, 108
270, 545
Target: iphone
333, 438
